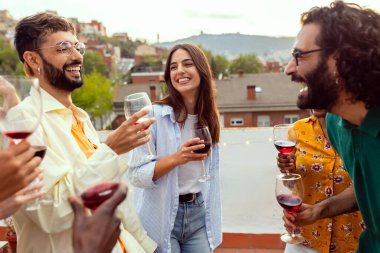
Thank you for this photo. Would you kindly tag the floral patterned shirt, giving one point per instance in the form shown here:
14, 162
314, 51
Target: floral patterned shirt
323, 175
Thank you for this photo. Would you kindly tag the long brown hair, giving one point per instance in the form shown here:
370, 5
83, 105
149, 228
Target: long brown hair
205, 105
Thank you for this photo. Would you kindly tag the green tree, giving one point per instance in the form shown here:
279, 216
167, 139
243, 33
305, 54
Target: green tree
248, 63
9, 62
95, 96
218, 63
93, 61
221, 65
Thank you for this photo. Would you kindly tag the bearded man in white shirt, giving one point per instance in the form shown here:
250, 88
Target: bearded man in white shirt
50, 51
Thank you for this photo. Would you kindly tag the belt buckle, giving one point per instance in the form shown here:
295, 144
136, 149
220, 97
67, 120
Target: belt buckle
194, 196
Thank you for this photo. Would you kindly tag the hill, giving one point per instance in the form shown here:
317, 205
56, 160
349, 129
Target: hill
231, 45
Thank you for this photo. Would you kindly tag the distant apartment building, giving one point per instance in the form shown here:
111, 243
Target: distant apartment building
93, 28
7, 24
248, 100
121, 36
258, 100
146, 51
273, 66
147, 77
111, 54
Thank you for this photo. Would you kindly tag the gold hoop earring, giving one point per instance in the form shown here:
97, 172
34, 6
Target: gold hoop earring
337, 79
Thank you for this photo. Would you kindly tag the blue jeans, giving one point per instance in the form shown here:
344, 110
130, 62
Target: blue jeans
189, 232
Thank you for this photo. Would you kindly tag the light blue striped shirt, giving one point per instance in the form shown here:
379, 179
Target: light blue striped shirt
157, 201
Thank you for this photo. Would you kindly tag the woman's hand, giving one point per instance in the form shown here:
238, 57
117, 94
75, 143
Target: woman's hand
186, 153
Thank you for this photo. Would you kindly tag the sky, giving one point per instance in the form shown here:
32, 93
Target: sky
174, 19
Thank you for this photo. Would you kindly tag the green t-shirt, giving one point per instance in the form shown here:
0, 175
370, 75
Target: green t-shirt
359, 148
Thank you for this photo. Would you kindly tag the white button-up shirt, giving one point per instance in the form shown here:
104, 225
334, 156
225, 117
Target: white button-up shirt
48, 229
157, 201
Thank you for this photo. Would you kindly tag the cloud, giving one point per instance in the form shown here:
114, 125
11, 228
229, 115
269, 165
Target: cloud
211, 15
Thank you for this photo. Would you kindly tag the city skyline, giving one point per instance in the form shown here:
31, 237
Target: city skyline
174, 20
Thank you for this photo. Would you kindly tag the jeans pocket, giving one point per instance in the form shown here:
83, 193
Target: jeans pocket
199, 201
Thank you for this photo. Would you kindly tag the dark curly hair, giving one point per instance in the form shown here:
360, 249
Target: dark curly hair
352, 35
206, 102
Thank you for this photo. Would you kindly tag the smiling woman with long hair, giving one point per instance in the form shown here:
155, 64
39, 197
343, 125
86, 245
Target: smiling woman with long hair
179, 212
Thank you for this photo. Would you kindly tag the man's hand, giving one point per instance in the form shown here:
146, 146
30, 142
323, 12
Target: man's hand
307, 214
286, 162
97, 233
130, 135
18, 168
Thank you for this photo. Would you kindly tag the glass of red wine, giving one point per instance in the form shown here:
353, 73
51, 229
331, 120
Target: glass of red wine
134, 103
17, 121
93, 188
284, 138
203, 133
19, 126
289, 194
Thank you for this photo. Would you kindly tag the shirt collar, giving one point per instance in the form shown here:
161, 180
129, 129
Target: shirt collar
168, 110
51, 104
371, 122
311, 119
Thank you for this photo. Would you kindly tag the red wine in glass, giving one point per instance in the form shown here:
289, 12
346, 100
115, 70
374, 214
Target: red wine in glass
17, 135
94, 196
39, 151
289, 194
204, 150
291, 203
284, 146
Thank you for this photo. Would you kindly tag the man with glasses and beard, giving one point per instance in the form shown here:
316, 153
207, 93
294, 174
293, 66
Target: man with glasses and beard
336, 58
48, 47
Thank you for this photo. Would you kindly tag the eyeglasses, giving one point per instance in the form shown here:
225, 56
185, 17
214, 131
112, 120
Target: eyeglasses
296, 53
67, 48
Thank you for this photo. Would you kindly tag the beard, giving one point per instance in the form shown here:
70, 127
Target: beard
322, 92
57, 77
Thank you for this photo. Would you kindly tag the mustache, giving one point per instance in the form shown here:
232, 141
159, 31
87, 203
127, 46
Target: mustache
297, 78
75, 62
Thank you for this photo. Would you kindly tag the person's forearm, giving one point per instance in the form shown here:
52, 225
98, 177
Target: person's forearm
164, 166
344, 202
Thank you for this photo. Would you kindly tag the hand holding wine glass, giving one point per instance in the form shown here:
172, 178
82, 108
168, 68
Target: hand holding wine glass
289, 194
19, 122
203, 133
284, 139
98, 232
137, 102
96, 176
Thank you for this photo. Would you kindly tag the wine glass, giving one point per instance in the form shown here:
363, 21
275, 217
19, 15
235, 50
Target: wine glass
284, 138
18, 123
289, 194
203, 133
19, 126
96, 176
137, 102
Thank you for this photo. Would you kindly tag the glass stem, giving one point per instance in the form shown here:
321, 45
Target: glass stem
204, 174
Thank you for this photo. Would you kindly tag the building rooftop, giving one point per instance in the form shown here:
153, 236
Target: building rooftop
274, 91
